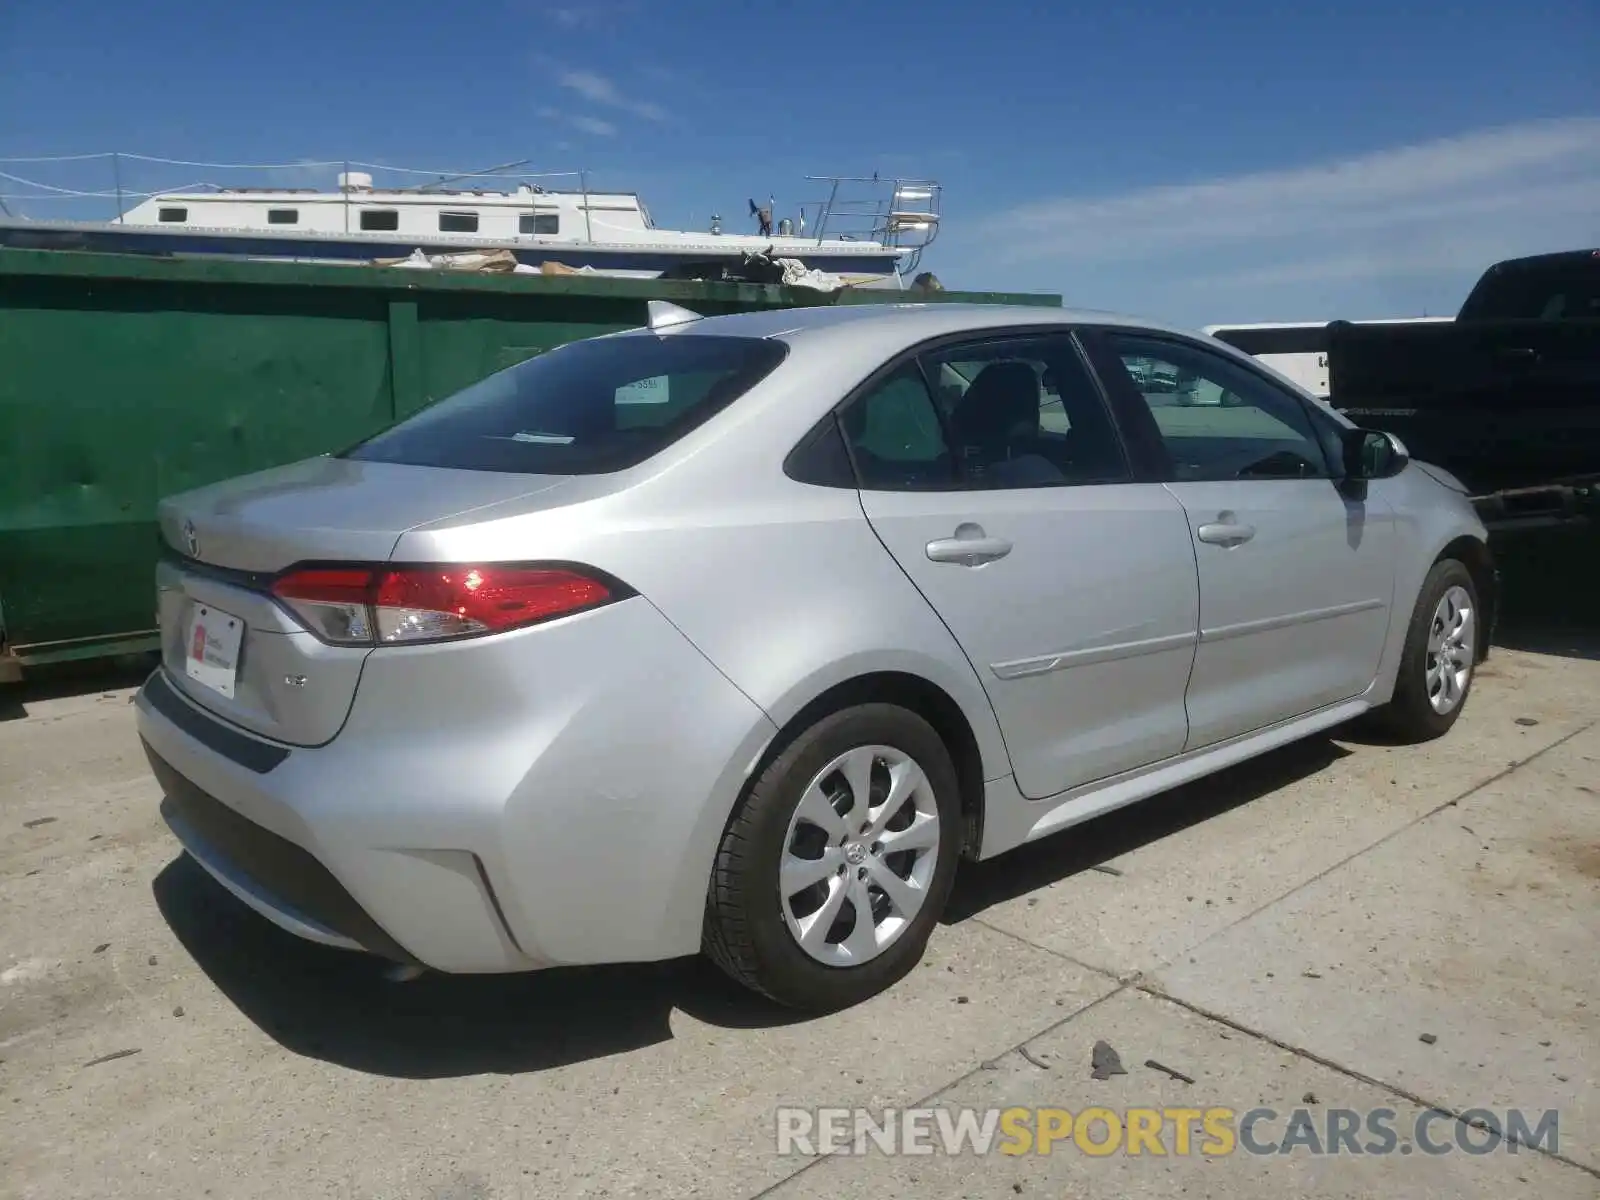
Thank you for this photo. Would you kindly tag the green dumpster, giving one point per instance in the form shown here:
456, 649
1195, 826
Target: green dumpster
124, 379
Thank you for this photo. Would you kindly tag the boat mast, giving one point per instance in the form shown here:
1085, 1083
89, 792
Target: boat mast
588, 228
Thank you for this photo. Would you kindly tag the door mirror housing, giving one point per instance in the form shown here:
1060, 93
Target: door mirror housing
1373, 454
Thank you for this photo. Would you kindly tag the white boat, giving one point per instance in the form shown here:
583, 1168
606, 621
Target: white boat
861, 229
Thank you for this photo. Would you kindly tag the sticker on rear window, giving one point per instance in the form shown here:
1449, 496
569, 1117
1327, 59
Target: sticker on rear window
645, 391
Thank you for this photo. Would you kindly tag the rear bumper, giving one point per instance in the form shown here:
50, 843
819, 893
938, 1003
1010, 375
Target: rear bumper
270, 874
547, 797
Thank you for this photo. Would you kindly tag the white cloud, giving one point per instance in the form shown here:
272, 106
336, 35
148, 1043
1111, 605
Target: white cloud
590, 86
1395, 231
598, 89
591, 14
578, 121
1516, 171
594, 125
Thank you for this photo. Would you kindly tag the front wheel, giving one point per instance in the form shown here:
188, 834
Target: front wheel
836, 866
1441, 650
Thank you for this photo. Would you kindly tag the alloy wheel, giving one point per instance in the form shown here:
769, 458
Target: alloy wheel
859, 855
1452, 644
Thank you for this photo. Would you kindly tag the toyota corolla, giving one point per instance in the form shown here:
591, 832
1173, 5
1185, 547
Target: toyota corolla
737, 634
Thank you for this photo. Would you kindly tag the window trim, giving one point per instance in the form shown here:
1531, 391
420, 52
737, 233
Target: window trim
532, 220
471, 215
1139, 469
1109, 361
361, 220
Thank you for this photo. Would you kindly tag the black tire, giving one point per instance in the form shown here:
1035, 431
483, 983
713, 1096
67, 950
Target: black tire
745, 931
1410, 716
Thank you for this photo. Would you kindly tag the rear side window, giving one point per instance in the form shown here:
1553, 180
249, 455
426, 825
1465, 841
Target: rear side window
896, 435
585, 408
1563, 289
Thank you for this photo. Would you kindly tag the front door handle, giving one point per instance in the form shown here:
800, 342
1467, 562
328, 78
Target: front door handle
1225, 533
970, 547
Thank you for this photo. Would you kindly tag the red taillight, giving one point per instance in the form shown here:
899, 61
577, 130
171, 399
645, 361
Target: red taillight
364, 606
325, 585
423, 603
332, 602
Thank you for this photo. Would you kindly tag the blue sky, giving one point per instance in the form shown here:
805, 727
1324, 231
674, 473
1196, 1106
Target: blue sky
1203, 163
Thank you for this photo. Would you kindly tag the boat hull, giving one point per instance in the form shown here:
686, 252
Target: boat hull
614, 257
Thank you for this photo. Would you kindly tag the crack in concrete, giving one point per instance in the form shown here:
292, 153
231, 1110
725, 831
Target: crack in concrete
1121, 977
1136, 981
1150, 989
1392, 834
983, 1065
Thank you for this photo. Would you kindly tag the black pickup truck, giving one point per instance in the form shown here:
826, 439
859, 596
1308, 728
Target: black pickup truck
1506, 397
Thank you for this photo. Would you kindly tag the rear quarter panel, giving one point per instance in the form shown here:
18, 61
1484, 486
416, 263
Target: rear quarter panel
782, 585
787, 593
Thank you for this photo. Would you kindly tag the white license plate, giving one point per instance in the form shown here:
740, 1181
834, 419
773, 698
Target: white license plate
211, 648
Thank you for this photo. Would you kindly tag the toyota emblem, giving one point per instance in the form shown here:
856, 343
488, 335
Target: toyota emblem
191, 540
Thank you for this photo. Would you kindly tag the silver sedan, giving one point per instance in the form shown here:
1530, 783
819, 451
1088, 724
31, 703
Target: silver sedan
737, 634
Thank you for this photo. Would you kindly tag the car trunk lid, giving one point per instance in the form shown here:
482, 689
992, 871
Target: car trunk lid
227, 644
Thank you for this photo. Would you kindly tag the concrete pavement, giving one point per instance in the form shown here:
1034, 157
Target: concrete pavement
1290, 929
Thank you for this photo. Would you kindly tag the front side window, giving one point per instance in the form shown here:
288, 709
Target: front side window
584, 408
283, 216
381, 220
458, 222
172, 216
1218, 419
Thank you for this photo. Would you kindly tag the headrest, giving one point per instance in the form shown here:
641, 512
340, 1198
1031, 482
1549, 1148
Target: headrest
1002, 402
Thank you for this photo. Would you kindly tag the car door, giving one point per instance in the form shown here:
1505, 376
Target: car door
1296, 572
1068, 582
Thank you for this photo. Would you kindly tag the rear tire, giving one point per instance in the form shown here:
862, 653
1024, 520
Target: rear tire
1439, 659
801, 865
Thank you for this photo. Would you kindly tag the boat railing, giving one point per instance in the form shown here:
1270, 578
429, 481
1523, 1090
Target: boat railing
897, 212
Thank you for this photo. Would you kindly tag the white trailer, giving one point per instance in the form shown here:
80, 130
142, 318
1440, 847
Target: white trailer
1298, 349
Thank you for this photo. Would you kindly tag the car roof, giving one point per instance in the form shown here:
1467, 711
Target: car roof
912, 321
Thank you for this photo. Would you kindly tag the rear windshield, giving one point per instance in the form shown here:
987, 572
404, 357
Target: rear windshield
1566, 289
585, 408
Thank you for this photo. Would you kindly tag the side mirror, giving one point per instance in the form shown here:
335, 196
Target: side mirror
1372, 454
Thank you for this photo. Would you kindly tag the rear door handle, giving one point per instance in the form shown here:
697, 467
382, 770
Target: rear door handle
1225, 533
971, 547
